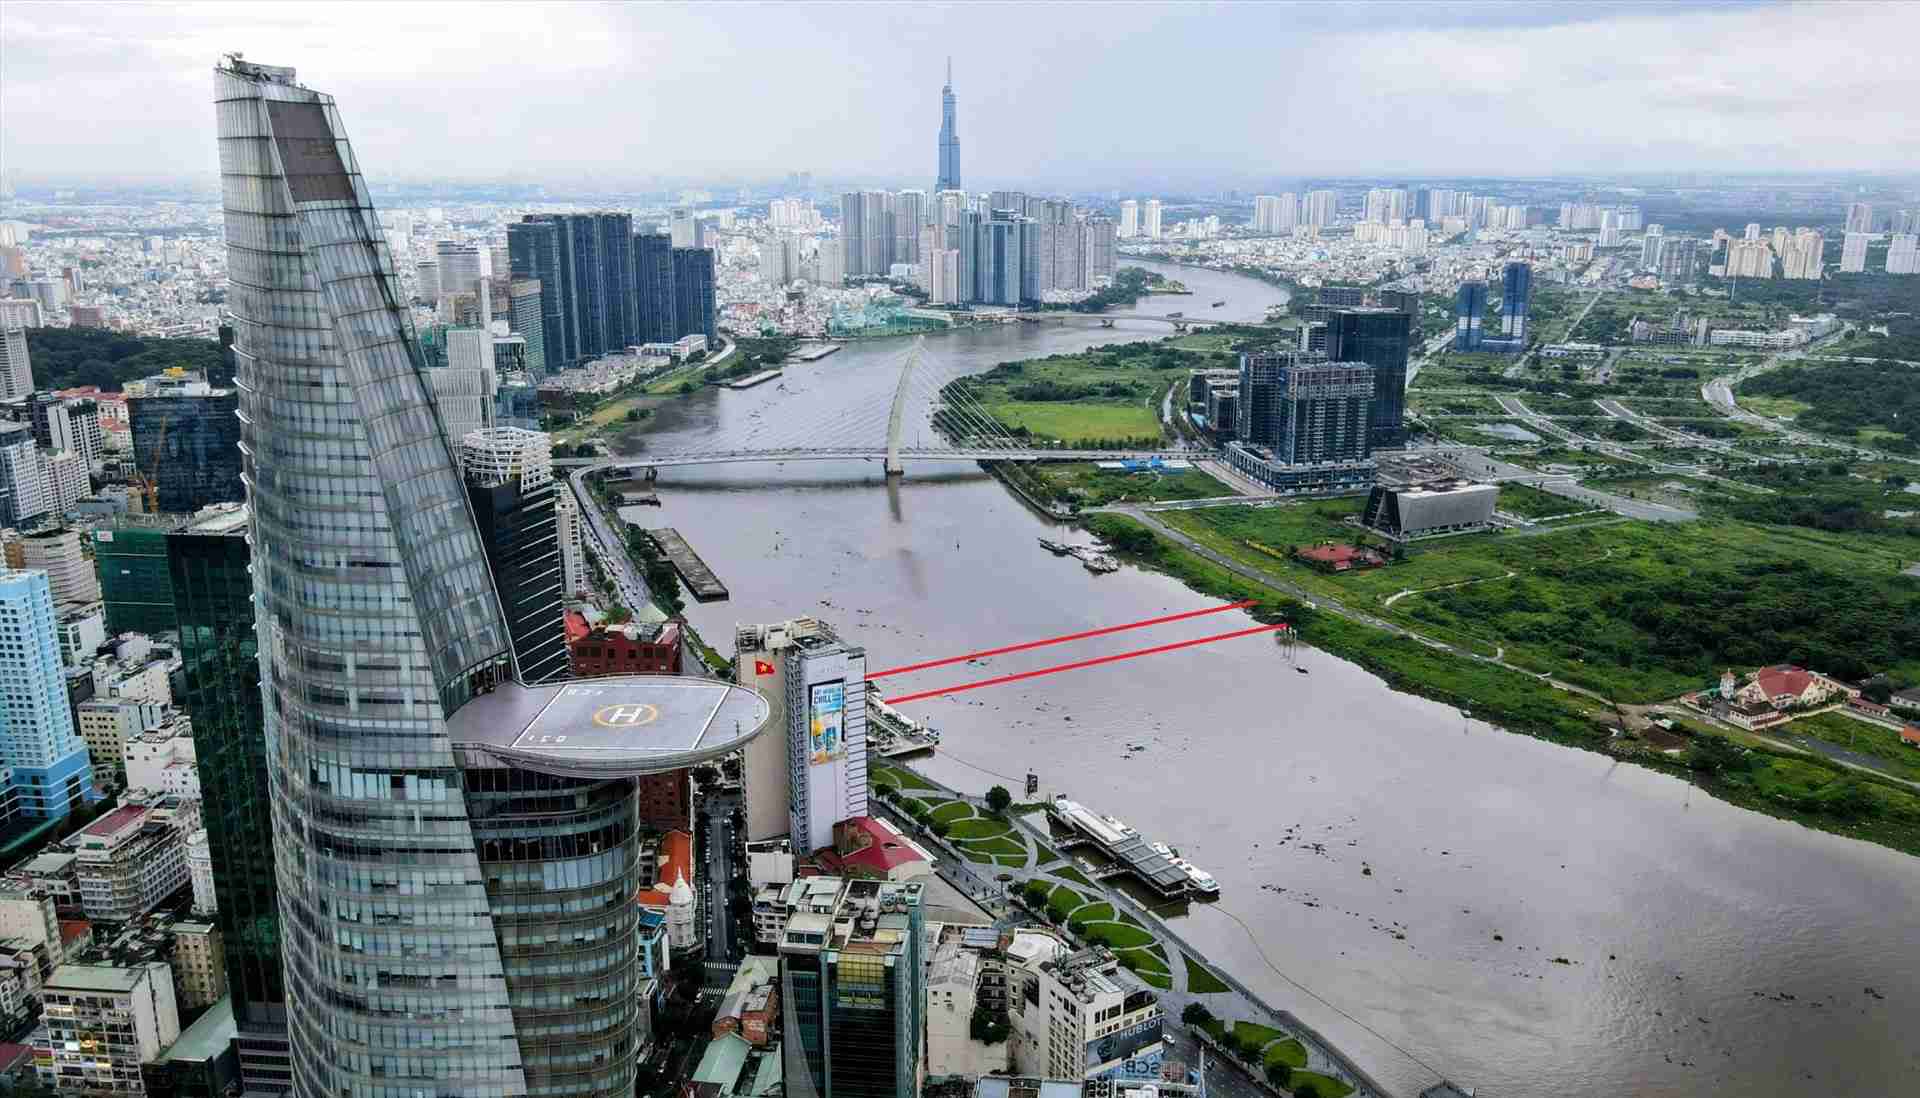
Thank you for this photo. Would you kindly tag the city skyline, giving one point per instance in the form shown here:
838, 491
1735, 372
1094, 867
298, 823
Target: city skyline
1724, 88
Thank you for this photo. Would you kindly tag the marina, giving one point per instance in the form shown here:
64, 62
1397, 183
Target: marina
693, 571
1153, 864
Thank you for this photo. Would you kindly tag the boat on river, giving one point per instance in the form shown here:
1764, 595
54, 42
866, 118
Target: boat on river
1099, 563
1057, 548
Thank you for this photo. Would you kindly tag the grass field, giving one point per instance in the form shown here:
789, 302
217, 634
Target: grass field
1326, 1086
1078, 422
1067, 872
1087, 485
1779, 407
1108, 394
1864, 737
1529, 502
901, 778
1201, 980
1289, 1052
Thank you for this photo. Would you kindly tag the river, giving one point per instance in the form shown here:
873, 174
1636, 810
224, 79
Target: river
1710, 950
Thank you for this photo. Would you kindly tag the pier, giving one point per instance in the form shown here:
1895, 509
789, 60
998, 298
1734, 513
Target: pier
751, 380
693, 571
1132, 855
892, 734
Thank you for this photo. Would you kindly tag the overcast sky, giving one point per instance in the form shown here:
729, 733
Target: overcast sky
1067, 95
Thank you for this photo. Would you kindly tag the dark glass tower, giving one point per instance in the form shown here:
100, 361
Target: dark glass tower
1470, 315
219, 651
1379, 338
187, 438
1516, 297
653, 273
533, 250
602, 257
949, 173
693, 292
509, 474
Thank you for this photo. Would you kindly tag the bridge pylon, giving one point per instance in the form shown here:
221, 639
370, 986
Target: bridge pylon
896, 420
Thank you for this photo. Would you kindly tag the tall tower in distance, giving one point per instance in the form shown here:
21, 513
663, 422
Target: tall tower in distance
949, 139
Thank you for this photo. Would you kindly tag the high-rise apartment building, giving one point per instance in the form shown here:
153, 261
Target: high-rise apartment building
1650, 247
999, 255
45, 758
653, 276
101, 1023
509, 474
584, 262
1305, 409
852, 987
533, 250
1129, 219
1902, 255
16, 369
1803, 255
800, 784
186, 437
1679, 258
1859, 217
1320, 208
1749, 258
1516, 299
60, 423
1853, 252
23, 479
460, 266
526, 317
1150, 219
1379, 337
132, 563
454, 892
1276, 215
60, 553
947, 176
1097, 251
573, 548
208, 564
1470, 314
909, 214
693, 296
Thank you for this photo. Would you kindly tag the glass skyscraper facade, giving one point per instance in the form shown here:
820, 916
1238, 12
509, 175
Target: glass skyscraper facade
653, 275
949, 173
44, 757
533, 252
132, 561
1516, 298
693, 293
449, 925
185, 437
1378, 337
1470, 315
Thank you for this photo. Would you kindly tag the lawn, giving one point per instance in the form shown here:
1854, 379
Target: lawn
1326, 1086
1118, 935
1065, 897
1779, 407
1529, 502
1254, 1031
1079, 422
1289, 1052
1201, 980
1087, 485
978, 828
1098, 911
1068, 872
1144, 960
995, 846
901, 778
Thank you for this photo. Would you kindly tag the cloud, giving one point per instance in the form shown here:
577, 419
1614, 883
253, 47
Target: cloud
1064, 95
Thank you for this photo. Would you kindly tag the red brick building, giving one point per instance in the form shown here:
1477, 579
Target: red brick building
633, 648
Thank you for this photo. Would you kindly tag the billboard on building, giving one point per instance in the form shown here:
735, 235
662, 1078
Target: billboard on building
826, 713
1139, 1047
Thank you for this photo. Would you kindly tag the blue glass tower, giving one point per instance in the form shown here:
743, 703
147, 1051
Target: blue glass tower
949, 174
1515, 296
1470, 313
38, 743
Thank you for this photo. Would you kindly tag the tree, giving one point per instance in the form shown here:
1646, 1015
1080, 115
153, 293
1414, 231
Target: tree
998, 799
989, 1027
1279, 1074
884, 790
1306, 1090
1196, 1014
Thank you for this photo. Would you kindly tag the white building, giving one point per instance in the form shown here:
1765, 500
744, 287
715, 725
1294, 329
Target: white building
1860, 217
817, 684
133, 857
200, 872
16, 372
1853, 252
464, 390
61, 554
1129, 219
953, 981
108, 724
161, 759
27, 915
100, 1023
1150, 220
573, 547
1088, 1017
1903, 254
66, 474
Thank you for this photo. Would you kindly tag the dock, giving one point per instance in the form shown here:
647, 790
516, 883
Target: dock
1132, 855
694, 572
892, 734
751, 380
813, 352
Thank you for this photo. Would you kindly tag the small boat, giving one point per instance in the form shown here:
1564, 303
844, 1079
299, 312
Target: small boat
1058, 549
1219, 303
1302, 670
1100, 564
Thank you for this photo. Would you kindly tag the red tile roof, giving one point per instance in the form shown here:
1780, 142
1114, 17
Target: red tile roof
72, 930
885, 848
677, 846
1331, 554
577, 626
1783, 680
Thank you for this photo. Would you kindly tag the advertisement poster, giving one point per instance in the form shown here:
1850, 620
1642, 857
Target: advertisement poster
828, 703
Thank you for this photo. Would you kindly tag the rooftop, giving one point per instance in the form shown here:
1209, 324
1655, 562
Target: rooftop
621, 724
96, 978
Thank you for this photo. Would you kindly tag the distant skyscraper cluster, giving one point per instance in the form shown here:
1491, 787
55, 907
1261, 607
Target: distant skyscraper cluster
998, 249
1276, 215
604, 287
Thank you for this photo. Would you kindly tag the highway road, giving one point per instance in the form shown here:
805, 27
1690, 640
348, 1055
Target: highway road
609, 545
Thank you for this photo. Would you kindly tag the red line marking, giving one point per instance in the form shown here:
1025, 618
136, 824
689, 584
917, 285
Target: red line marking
1077, 664
1064, 638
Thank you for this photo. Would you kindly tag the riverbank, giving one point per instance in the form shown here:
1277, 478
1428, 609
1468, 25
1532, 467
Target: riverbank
1805, 789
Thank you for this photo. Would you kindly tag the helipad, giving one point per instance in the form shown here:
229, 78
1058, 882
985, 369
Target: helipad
623, 724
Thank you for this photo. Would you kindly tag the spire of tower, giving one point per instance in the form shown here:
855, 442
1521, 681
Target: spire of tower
949, 70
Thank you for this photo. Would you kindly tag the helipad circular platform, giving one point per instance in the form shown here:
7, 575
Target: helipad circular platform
618, 725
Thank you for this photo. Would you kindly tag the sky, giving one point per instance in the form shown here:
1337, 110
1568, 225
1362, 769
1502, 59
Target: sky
1067, 95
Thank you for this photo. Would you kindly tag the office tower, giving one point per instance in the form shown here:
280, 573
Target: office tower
654, 286
909, 214
1650, 247
61, 554
186, 440
526, 318
16, 369
43, 756
426, 280
533, 248
509, 474
132, 562
693, 293
803, 783
1470, 312
948, 174
1859, 217
998, 259
23, 480
1129, 219
1379, 337
1679, 258
207, 564
1853, 252
1902, 256
1150, 218
459, 266
1516, 299
852, 985
463, 390
102, 1023
1305, 409
415, 912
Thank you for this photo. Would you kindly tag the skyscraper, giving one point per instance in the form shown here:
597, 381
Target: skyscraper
1470, 314
1320, 208
421, 876
1903, 254
584, 263
45, 758
802, 783
186, 437
654, 284
526, 316
208, 564
1380, 338
1304, 409
949, 173
909, 214
459, 266
1516, 299
509, 474
1150, 220
693, 293
1853, 252
999, 257
1859, 217
16, 370
533, 248
24, 493
852, 984
1129, 219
